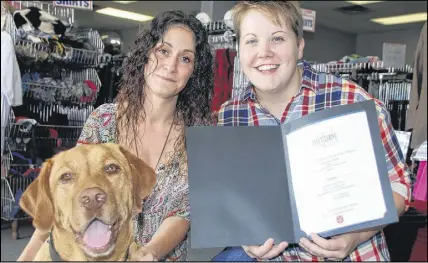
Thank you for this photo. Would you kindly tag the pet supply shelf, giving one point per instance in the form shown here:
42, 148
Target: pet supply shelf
79, 76
51, 94
6, 160
19, 177
63, 133
20, 130
62, 13
8, 125
24, 132
71, 57
93, 36
57, 144
6, 156
43, 138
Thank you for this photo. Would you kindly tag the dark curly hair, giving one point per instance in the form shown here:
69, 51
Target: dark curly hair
194, 101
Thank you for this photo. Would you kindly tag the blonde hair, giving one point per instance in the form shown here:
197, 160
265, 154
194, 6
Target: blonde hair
275, 10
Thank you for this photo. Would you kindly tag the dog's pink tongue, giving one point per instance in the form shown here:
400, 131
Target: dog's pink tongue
97, 235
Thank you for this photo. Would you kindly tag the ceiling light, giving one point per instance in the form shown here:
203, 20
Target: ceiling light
403, 19
363, 2
124, 14
125, 2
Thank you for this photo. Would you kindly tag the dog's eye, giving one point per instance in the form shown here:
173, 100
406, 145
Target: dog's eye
65, 178
112, 168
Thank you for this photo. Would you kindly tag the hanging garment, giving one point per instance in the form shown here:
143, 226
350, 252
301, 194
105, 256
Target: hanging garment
10, 73
417, 119
110, 83
403, 138
11, 90
420, 189
5, 114
223, 77
3, 14
419, 250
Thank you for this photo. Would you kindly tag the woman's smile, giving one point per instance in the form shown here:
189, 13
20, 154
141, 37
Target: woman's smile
169, 79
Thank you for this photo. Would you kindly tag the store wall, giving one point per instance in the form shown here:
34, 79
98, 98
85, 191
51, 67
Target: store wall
372, 44
220, 8
128, 37
327, 44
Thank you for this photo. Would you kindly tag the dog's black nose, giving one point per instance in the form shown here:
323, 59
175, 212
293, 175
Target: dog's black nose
93, 198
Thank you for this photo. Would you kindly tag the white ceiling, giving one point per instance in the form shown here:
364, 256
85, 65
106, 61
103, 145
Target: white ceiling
151, 8
326, 14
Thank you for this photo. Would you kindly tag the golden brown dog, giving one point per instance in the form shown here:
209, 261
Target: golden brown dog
86, 197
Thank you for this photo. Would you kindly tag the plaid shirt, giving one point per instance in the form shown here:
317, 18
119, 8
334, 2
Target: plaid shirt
320, 91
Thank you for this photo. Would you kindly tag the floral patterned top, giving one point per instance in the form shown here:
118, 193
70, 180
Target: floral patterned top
170, 195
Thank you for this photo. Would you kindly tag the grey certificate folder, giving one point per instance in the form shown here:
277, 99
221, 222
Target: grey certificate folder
240, 182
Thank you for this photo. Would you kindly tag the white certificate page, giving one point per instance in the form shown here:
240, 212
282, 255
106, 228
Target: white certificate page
334, 174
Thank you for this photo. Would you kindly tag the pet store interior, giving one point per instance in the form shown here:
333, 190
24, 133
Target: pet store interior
63, 59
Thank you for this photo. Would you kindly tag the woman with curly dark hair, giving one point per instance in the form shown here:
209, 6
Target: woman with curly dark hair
167, 85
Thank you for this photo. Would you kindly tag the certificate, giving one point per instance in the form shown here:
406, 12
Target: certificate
324, 173
330, 181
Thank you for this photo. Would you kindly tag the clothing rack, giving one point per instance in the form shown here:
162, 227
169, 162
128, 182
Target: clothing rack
338, 68
218, 26
223, 41
55, 114
110, 70
60, 86
240, 81
220, 35
391, 85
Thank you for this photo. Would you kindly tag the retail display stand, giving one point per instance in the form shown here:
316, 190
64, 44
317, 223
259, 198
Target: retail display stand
60, 86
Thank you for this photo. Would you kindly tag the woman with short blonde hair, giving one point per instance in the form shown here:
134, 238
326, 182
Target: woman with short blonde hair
283, 88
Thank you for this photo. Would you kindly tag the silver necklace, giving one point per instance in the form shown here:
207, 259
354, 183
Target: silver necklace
163, 149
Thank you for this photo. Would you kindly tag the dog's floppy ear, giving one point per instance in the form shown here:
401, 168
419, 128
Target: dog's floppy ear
143, 177
36, 200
